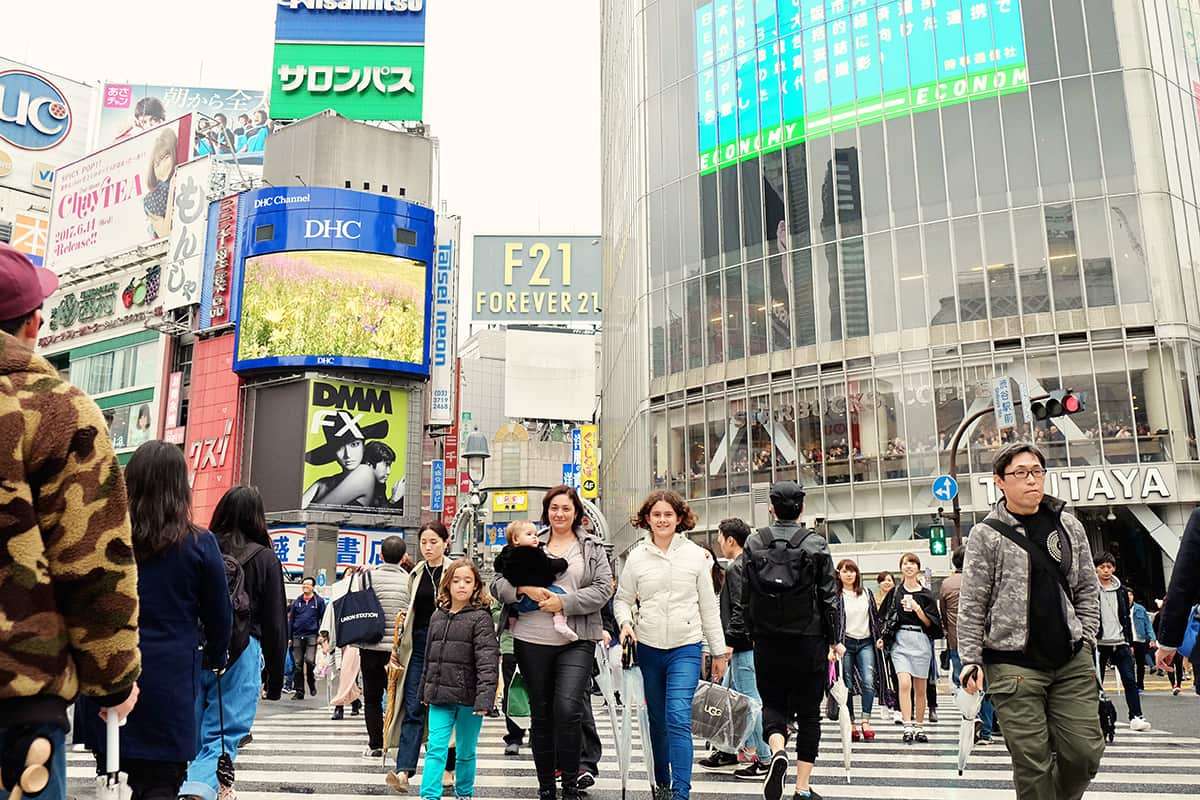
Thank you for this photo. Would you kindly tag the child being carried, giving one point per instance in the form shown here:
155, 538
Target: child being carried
525, 562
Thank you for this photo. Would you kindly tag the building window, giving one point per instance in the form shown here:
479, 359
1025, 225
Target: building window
115, 370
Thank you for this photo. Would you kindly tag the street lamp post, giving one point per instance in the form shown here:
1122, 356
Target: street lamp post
476, 453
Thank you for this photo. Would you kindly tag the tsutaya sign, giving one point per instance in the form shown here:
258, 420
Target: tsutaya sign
1097, 485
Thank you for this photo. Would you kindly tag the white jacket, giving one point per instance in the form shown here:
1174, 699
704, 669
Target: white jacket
674, 594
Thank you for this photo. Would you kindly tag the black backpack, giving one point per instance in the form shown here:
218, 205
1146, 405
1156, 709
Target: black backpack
239, 599
783, 580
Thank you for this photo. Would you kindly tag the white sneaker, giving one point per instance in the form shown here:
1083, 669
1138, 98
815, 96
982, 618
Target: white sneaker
1139, 724
897, 718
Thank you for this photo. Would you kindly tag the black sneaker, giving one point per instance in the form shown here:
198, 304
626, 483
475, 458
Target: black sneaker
512, 749
355, 708
812, 795
245, 740
776, 775
921, 737
298, 696
585, 781
908, 735
755, 770
933, 717
718, 761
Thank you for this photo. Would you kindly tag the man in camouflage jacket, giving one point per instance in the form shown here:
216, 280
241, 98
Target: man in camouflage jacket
68, 580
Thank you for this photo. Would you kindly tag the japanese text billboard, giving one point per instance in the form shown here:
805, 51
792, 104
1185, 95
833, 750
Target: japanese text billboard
184, 263
116, 199
536, 279
356, 447
228, 121
443, 327
358, 81
777, 72
102, 308
359, 547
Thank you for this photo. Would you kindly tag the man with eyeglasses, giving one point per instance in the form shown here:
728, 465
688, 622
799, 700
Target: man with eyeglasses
1028, 618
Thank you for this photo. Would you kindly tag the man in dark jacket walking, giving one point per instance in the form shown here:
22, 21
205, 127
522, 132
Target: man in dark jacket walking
796, 634
732, 535
1182, 595
1116, 634
304, 620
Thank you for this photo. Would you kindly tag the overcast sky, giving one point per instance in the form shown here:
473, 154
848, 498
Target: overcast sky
512, 88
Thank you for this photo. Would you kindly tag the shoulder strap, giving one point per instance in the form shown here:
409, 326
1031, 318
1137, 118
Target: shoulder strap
1035, 553
799, 537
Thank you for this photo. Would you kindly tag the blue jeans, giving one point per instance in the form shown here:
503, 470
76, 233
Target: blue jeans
987, 712
860, 652
527, 604
742, 679
670, 678
413, 726
57, 788
465, 724
240, 687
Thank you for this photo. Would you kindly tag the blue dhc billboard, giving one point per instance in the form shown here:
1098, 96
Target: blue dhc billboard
331, 278
382, 21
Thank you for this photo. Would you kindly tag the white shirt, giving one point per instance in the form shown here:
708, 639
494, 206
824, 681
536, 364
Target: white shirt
858, 623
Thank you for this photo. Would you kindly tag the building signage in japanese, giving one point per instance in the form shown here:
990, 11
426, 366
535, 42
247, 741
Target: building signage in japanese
100, 308
229, 122
589, 457
29, 230
356, 447
1097, 485
212, 443
358, 81
576, 454
184, 263
443, 335
44, 122
116, 199
360, 547
536, 279
437, 485
770, 75
220, 255
397, 21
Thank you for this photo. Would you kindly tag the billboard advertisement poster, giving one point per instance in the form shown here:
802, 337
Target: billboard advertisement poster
221, 253
103, 307
576, 453
228, 121
443, 333
29, 232
437, 485
189, 233
359, 547
536, 279
401, 21
589, 461
116, 199
333, 277
356, 447
212, 443
44, 123
358, 81
770, 76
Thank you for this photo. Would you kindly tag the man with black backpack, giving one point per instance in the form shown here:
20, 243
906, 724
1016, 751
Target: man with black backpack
1029, 554
790, 599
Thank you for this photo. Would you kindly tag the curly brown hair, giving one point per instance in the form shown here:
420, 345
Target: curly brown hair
479, 597
687, 520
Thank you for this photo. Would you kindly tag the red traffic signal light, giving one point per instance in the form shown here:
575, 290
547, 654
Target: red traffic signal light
1060, 403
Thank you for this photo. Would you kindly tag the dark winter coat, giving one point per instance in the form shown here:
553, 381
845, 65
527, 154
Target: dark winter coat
462, 660
1184, 591
268, 603
185, 621
529, 566
733, 614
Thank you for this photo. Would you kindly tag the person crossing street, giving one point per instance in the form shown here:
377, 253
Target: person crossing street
1116, 633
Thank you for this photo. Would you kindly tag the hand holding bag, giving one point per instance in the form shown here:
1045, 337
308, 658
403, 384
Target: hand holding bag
723, 716
358, 615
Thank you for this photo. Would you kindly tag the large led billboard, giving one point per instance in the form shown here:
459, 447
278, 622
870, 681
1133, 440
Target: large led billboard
777, 72
332, 278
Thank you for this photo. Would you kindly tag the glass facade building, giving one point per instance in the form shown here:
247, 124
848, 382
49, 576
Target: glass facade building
831, 224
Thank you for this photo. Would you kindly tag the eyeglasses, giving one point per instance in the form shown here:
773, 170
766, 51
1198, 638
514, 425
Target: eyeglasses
1024, 474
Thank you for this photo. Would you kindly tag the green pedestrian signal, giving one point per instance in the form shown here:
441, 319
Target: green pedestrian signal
937, 540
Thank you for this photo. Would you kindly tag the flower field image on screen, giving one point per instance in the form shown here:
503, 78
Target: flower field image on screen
332, 303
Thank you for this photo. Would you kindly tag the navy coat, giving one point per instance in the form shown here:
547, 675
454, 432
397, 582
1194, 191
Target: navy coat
184, 619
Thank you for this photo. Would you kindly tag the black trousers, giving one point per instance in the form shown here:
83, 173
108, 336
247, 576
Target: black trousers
791, 689
1139, 662
508, 668
304, 654
591, 749
558, 678
374, 678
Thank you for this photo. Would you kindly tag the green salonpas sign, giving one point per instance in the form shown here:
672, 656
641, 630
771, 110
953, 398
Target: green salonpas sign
359, 81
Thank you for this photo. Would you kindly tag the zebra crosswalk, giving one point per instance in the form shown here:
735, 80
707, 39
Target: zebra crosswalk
300, 751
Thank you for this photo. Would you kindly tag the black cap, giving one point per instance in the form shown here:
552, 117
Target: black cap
787, 492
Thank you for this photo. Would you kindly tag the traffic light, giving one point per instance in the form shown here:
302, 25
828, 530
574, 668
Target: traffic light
937, 540
1060, 403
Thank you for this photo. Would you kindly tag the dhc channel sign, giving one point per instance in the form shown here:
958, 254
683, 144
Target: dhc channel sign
34, 113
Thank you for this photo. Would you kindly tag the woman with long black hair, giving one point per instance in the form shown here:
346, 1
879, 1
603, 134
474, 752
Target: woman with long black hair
184, 625
240, 526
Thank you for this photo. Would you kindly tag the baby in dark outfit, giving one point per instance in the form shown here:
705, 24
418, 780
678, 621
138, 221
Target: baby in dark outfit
525, 562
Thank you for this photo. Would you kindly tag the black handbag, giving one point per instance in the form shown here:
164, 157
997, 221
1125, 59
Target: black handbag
358, 615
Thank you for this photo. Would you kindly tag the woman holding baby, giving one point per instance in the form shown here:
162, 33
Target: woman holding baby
557, 668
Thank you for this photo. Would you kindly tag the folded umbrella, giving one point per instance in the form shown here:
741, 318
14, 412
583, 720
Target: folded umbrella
635, 703
968, 706
604, 680
112, 787
394, 695
839, 691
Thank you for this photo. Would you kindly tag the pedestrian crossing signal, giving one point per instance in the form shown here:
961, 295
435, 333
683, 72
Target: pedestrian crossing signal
1060, 403
937, 540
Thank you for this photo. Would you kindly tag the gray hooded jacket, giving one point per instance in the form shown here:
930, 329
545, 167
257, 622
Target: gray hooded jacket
993, 606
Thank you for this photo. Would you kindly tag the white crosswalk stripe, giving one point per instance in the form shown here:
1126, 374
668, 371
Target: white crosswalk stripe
303, 752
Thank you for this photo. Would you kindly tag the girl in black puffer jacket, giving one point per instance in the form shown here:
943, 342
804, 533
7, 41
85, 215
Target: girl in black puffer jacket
462, 660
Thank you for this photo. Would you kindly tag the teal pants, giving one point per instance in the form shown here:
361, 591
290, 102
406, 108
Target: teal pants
465, 724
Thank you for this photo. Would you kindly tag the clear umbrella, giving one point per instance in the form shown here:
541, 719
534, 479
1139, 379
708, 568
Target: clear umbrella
839, 691
605, 681
634, 695
968, 706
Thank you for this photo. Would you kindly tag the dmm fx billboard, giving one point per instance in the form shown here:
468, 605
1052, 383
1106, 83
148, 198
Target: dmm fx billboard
356, 447
443, 328
772, 74
358, 81
333, 278
536, 279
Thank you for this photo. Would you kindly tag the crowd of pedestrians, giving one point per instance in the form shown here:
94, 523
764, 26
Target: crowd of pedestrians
114, 600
